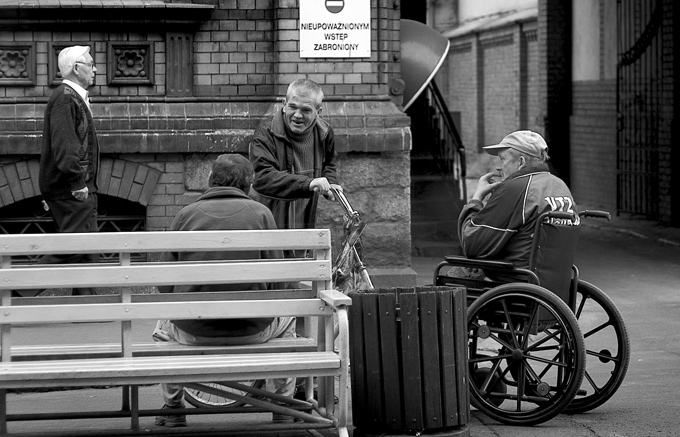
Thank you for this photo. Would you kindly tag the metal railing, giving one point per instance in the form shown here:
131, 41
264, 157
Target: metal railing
639, 100
449, 150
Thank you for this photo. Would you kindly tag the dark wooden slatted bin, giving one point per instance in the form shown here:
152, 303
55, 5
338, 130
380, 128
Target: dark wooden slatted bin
409, 361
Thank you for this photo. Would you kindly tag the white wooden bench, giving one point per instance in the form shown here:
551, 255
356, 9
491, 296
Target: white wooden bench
129, 364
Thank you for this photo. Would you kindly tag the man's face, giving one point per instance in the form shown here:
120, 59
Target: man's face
300, 111
510, 162
85, 71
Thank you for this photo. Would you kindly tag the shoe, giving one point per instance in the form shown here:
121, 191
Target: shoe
283, 418
172, 421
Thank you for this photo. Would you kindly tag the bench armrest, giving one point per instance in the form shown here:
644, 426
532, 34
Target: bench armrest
335, 298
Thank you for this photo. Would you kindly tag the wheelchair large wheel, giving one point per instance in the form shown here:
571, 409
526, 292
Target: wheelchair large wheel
526, 354
607, 347
201, 399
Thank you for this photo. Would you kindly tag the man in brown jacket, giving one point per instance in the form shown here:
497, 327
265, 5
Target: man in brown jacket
293, 154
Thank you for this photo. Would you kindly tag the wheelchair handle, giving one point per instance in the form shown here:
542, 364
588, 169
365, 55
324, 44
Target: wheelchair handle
596, 214
558, 215
342, 200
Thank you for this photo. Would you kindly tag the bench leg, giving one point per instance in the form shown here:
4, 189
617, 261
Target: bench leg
126, 398
134, 416
3, 411
344, 382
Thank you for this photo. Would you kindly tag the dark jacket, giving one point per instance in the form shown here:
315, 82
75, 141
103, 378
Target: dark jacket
70, 151
275, 183
221, 208
503, 228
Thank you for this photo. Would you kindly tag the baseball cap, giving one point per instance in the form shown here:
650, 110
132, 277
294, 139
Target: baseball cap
524, 141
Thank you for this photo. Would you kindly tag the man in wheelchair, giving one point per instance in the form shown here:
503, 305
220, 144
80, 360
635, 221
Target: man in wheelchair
518, 193
514, 229
526, 350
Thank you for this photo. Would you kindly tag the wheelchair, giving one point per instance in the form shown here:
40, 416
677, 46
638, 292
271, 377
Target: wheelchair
530, 330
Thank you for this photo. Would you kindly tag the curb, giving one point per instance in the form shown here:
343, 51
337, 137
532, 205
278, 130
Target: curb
633, 233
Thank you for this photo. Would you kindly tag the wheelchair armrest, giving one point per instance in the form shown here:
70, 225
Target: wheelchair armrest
478, 263
452, 260
596, 214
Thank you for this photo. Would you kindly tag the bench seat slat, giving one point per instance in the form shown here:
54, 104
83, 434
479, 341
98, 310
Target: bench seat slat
110, 350
53, 373
166, 274
175, 241
163, 310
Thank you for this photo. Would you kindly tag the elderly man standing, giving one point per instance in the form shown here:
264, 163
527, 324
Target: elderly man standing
293, 154
69, 161
294, 157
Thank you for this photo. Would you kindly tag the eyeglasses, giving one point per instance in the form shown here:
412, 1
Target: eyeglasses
89, 64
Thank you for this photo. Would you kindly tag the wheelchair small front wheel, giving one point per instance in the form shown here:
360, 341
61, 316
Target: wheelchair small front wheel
607, 347
202, 399
526, 354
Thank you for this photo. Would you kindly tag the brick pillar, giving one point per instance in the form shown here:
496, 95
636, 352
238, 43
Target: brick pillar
554, 32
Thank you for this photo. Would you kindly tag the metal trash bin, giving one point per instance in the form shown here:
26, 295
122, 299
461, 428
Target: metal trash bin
408, 361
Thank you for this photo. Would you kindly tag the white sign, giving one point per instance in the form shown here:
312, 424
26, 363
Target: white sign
335, 28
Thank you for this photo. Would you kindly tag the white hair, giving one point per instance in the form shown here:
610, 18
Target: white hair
68, 57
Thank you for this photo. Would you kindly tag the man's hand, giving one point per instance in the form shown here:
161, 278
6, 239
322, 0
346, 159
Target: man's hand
485, 186
81, 194
320, 185
329, 195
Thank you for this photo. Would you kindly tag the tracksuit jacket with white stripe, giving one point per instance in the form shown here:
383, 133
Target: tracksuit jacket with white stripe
503, 228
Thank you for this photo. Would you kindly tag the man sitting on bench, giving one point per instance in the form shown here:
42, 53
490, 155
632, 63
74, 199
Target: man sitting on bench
224, 206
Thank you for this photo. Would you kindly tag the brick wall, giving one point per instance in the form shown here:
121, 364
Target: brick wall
462, 87
213, 69
500, 79
529, 82
46, 45
593, 144
492, 81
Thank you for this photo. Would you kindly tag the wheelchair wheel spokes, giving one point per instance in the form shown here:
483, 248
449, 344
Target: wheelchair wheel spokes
526, 354
607, 347
201, 399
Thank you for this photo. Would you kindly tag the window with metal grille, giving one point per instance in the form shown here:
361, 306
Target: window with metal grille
114, 215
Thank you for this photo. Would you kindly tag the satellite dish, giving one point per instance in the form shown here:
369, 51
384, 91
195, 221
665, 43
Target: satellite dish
423, 51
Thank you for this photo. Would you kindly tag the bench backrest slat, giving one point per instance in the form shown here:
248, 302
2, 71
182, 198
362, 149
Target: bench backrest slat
303, 293
177, 241
168, 310
166, 274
